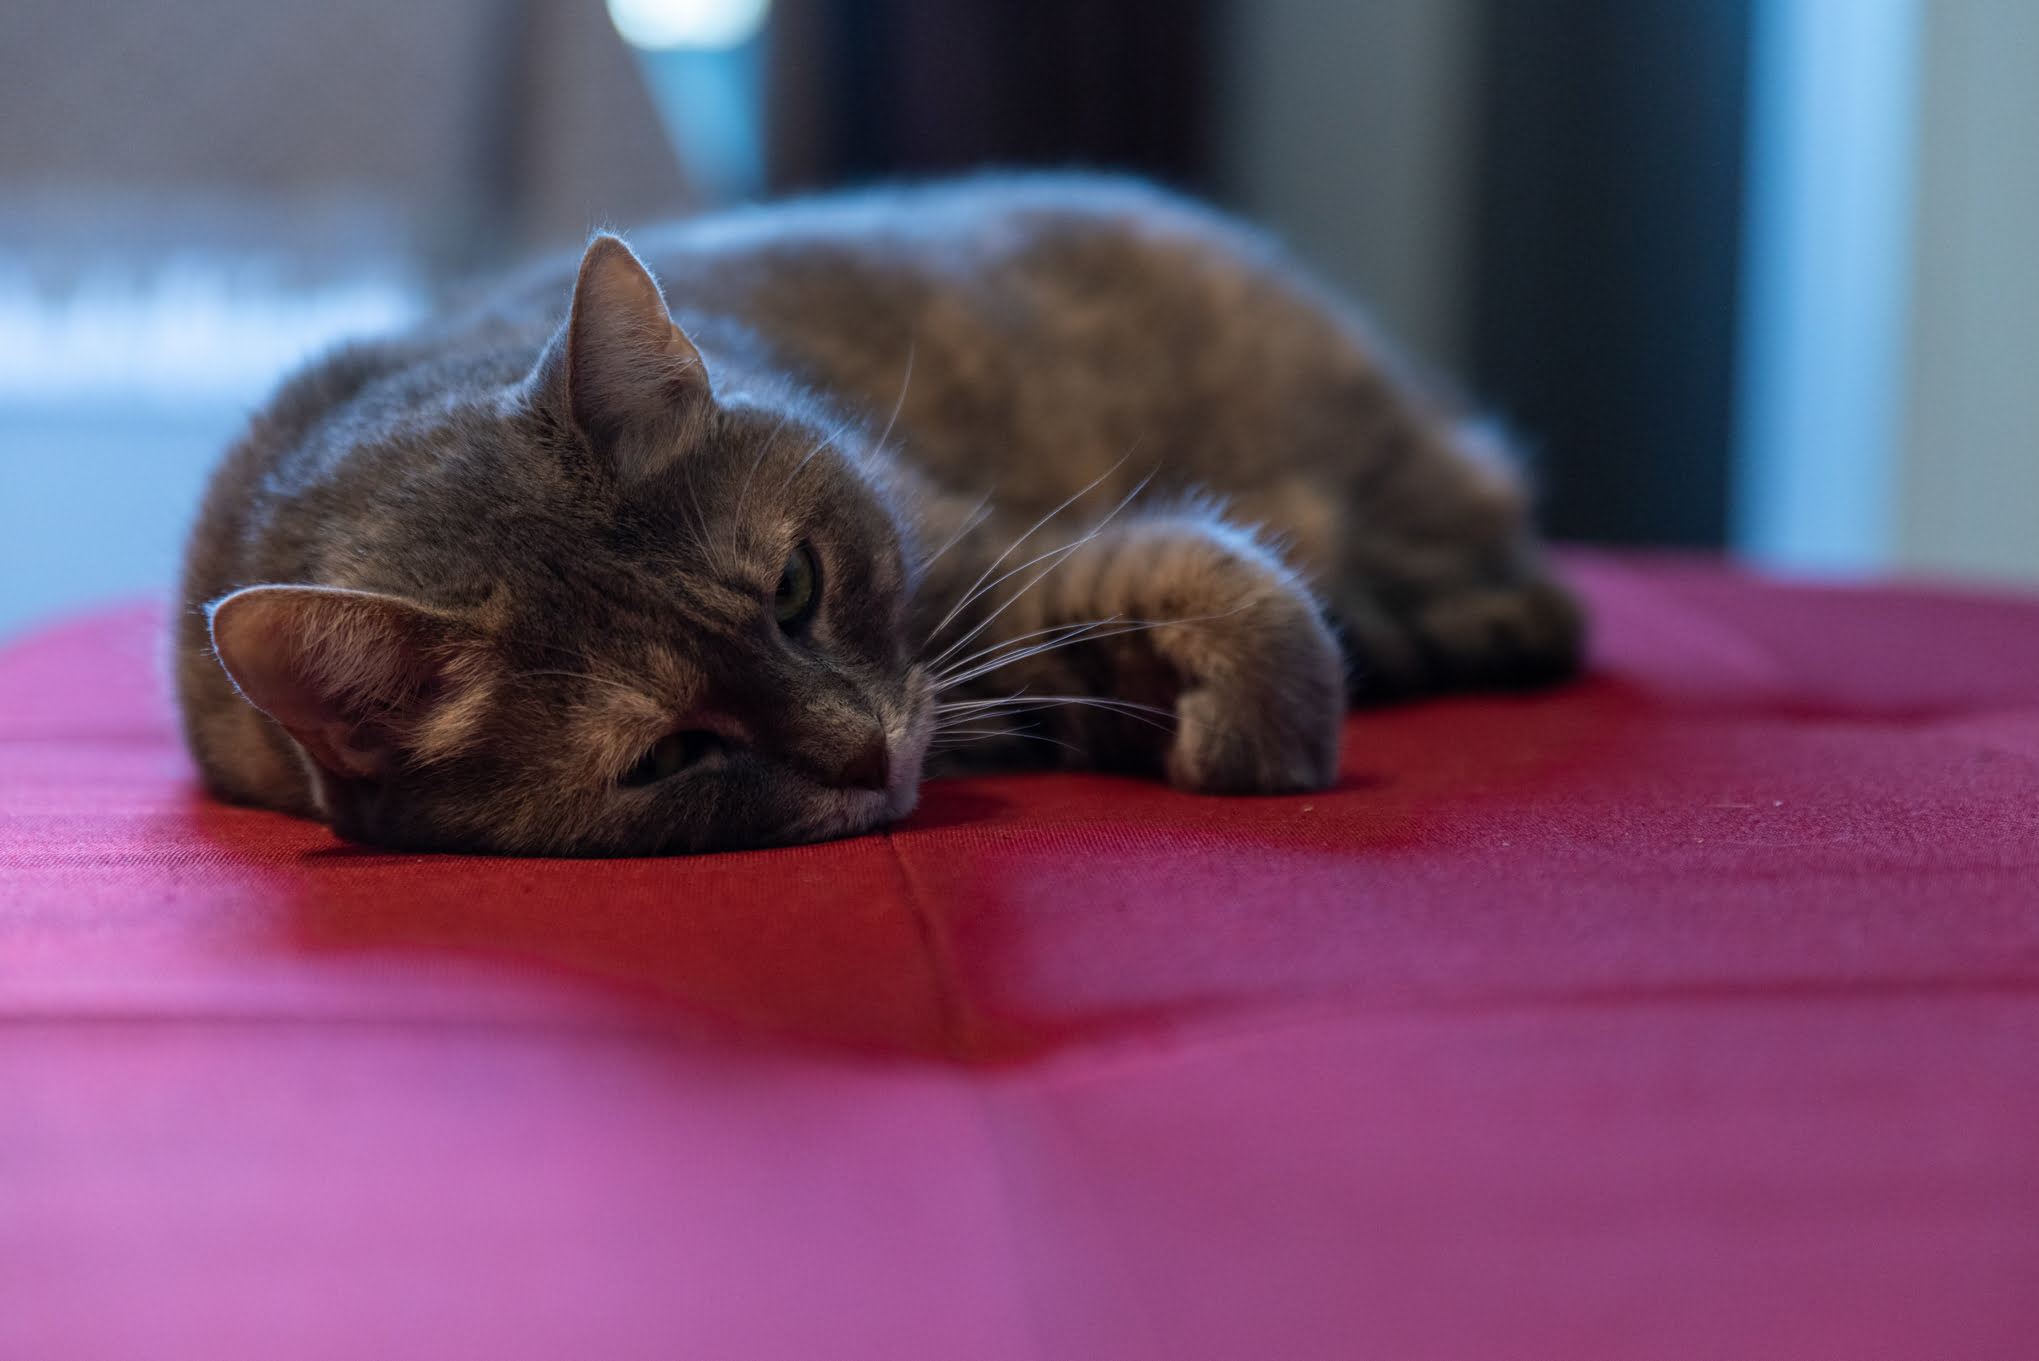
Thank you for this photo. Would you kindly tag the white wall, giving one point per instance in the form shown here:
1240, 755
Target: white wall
1825, 282
1347, 125
1890, 378
1969, 500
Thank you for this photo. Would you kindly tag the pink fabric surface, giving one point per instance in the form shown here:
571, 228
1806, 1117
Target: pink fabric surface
1691, 1010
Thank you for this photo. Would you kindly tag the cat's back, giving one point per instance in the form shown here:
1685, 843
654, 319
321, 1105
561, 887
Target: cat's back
1039, 327
936, 227
1008, 254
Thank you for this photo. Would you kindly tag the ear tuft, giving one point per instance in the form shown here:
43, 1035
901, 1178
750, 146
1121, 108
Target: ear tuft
621, 370
348, 674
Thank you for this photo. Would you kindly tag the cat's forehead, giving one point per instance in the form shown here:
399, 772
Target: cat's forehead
759, 482
657, 623
790, 426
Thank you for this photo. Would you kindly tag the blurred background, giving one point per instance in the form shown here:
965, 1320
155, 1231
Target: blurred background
1747, 276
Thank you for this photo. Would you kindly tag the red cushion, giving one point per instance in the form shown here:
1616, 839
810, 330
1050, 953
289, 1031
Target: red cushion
1692, 1010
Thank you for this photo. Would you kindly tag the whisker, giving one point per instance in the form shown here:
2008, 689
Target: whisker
700, 515
1017, 704
576, 675
999, 655
979, 513
1021, 701
969, 673
898, 403
1059, 554
987, 660
942, 742
805, 458
743, 492
971, 594
990, 649
1064, 553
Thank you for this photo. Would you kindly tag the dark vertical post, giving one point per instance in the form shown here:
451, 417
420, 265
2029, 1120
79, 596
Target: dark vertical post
1608, 251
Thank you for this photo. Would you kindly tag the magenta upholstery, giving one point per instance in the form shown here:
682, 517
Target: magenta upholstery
1689, 1011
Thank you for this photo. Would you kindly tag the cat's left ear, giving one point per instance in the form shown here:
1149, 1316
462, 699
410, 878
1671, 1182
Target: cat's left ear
620, 369
358, 678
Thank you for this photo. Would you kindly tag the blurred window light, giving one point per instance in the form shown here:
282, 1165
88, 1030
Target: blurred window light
193, 333
702, 25
1826, 283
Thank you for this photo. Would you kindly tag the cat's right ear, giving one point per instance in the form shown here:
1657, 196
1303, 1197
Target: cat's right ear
354, 676
620, 369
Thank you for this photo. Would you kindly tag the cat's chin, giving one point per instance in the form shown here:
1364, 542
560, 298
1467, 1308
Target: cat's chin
867, 810
839, 813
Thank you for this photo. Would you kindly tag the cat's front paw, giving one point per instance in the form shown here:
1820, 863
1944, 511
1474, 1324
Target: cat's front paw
1261, 697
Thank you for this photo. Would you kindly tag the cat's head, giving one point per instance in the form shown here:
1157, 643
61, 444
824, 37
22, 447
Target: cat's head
619, 606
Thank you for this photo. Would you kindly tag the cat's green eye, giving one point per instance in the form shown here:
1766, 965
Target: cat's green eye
795, 597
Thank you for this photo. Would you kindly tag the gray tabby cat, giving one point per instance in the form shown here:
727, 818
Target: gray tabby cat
1014, 471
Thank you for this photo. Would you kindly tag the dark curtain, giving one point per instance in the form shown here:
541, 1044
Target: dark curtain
1609, 245
872, 88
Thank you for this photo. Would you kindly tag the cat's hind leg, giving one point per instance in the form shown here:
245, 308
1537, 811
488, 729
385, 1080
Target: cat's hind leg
1432, 572
1403, 639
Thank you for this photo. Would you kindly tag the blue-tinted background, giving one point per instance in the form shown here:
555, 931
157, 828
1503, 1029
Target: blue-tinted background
1753, 275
